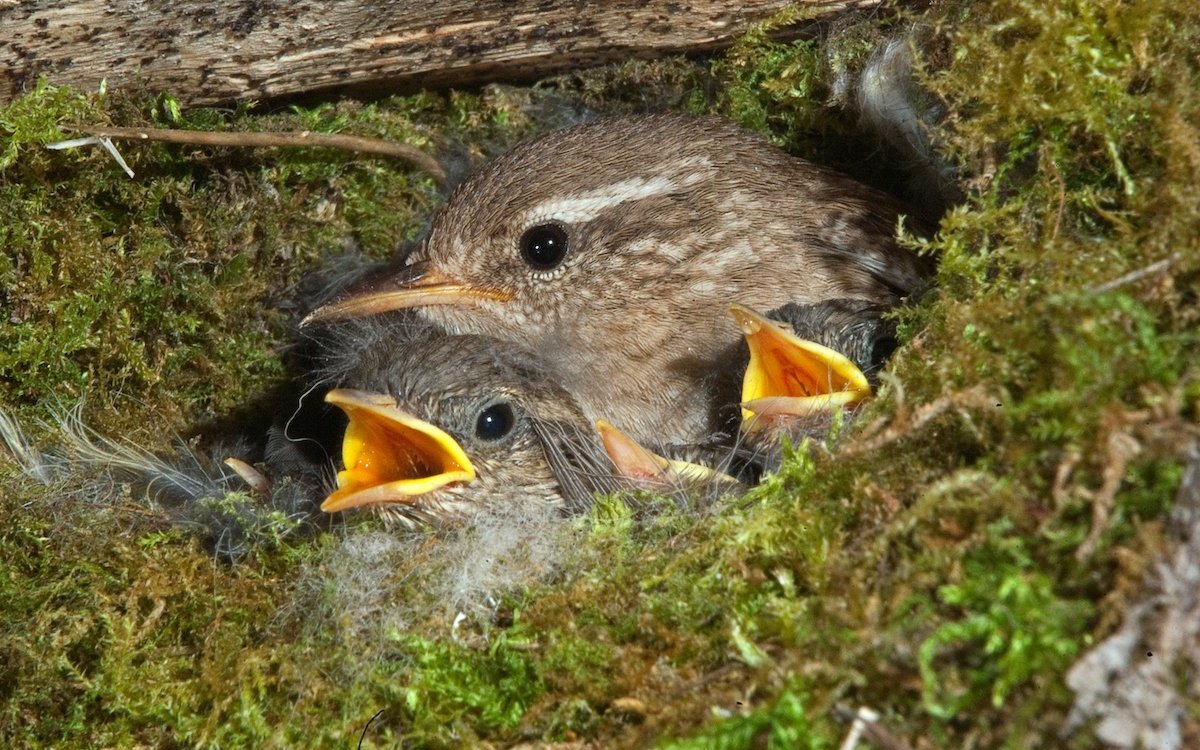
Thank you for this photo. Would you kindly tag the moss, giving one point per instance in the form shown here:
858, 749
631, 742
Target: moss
460, 694
158, 287
1012, 621
782, 725
114, 643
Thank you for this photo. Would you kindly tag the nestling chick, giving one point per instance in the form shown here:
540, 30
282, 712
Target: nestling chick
805, 364
802, 365
595, 245
454, 425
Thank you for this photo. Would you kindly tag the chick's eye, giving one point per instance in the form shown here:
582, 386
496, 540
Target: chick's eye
544, 246
494, 422
882, 350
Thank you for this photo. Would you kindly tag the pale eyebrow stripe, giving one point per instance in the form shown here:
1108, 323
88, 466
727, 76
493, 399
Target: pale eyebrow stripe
586, 205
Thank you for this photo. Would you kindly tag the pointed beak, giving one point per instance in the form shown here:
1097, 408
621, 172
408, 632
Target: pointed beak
632, 461
390, 455
790, 377
416, 285
629, 458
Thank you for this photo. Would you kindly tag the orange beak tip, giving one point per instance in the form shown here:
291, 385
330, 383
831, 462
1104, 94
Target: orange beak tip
629, 458
749, 321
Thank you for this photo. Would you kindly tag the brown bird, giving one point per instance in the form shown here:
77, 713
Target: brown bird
611, 251
444, 426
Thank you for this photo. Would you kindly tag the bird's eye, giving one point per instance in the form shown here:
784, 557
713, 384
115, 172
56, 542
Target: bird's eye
882, 349
494, 422
544, 246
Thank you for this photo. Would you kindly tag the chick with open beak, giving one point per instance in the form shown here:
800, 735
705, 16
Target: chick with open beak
594, 246
807, 363
452, 425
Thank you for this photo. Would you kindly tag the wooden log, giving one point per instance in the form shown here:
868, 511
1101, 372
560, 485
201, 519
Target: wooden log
209, 52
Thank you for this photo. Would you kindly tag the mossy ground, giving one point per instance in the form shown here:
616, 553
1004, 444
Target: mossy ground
945, 566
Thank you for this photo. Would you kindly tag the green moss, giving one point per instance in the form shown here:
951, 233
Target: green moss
782, 725
1013, 628
159, 287
37, 118
459, 693
115, 644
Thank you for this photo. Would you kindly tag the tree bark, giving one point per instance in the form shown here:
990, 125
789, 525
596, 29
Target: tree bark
208, 52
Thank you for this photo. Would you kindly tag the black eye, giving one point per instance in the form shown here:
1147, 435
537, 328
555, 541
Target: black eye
494, 422
882, 350
544, 246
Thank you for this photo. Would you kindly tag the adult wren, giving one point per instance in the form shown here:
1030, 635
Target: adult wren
613, 249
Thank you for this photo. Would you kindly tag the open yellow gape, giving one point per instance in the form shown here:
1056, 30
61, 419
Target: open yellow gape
790, 377
391, 456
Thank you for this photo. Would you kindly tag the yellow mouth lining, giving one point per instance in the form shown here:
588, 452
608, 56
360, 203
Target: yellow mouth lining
789, 376
391, 456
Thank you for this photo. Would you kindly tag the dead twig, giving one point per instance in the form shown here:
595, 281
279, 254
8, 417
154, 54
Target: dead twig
1062, 475
865, 725
1062, 190
1136, 275
294, 139
908, 422
1121, 449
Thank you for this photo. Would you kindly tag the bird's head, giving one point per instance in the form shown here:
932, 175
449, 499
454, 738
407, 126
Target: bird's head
597, 218
454, 425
